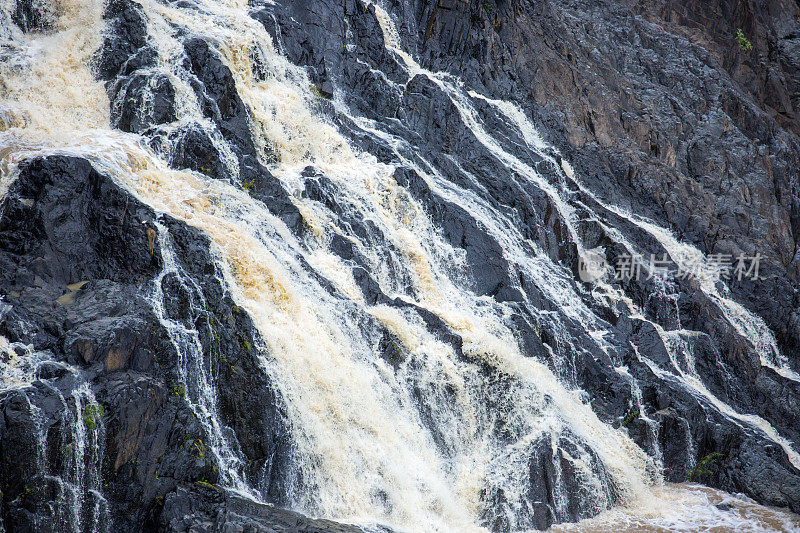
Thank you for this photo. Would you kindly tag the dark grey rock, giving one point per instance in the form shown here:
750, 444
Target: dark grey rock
33, 15
208, 509
102, 335
654, 104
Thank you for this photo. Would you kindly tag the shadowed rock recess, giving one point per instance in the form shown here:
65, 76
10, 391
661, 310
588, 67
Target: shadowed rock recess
139, 394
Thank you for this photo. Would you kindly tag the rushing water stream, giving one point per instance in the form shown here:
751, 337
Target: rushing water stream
368, 452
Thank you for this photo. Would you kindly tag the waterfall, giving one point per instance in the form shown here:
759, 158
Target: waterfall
194, 372
393, 423
71, 463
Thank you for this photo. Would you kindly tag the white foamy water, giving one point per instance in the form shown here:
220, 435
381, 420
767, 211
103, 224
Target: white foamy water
688, 508
367, 451
77, 502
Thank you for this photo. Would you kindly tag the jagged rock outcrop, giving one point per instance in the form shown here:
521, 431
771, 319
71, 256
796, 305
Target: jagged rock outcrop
144, 100
205, 509
81, 263
657, 105
659, 117
660, 113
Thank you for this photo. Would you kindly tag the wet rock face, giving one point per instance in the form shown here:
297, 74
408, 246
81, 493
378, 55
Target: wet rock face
145, 95
33, 15
655, 105
55, 227
659, 115
207, 509
125, 48
99, 429
562, 473
660, 108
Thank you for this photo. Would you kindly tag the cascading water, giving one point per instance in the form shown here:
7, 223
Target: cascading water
392, 421
194, 370
68, 454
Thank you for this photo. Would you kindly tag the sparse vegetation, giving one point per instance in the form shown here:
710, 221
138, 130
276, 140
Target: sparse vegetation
199, 448
91, 414
395, 353
65, 451
206, 484
317, 92
244, 343
744, 43
630, 417
703, 467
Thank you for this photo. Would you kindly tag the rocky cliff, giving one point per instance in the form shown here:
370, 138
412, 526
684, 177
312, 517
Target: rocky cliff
150, 359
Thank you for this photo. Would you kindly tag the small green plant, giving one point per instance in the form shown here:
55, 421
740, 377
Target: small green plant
179, 390
90, 415
630, 417
199, 448
488, 7
703, 467
248, 184
317, 92
206, 484
744, 43
65, 450
245, 344
395, 353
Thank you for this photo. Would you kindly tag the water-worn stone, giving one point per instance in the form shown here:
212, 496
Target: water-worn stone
206, 509
655, 105
80, 259
659, 114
